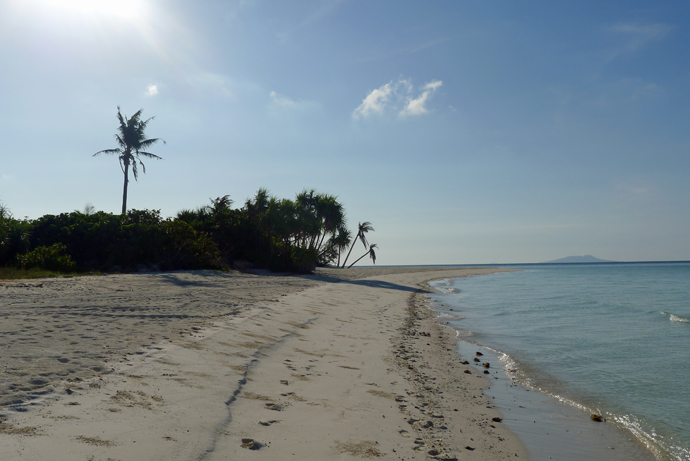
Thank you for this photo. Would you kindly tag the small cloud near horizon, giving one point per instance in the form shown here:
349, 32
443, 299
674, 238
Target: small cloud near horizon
393, 95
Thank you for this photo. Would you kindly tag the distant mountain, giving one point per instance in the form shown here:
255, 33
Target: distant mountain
578, 259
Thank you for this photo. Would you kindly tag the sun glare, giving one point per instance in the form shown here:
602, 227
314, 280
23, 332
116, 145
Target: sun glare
126, 9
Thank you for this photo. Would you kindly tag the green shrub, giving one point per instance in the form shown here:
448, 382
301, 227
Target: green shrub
49, 258
185, 248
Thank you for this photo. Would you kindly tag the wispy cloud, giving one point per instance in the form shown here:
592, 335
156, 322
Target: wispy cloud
281, 100
417, 106
326, 9
635, 36
397, 97
285, 102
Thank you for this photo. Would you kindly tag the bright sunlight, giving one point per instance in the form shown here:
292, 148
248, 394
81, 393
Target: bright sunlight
125, 9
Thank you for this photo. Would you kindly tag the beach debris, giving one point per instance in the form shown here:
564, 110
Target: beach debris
496, 419
464, 362
250, 444
284, 381
596, 417
274, 407
487, 372
467, 447
478, 354
476, 360
486, 365
468, 372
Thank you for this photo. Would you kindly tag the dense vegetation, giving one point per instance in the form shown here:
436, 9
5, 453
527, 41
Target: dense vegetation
278, 234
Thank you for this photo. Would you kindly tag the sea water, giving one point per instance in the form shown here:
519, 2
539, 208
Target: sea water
610, 339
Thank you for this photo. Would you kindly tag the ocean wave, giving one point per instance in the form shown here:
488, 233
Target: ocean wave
447, 289
676, 318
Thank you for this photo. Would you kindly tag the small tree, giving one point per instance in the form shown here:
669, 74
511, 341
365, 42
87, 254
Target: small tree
131, 140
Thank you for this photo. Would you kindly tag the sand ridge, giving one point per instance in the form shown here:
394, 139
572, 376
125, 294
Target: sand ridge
343, 367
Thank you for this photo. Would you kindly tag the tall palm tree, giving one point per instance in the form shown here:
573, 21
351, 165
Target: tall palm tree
131, 140
371, 252
362, 230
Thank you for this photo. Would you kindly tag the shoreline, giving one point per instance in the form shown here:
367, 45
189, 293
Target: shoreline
341, 364
549, 427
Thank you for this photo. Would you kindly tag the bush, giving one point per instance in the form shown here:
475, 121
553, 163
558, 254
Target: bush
185, 248
47, 258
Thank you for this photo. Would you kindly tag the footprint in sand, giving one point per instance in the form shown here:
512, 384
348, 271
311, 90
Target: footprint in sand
268, 423
274, 407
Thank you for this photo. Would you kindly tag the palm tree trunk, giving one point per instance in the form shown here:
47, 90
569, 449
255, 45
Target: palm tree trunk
351, 247
358, 259
124, 190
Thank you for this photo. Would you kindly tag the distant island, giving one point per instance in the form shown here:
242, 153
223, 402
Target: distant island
578, 259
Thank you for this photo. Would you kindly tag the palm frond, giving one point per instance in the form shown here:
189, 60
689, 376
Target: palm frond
107, 151
149, 155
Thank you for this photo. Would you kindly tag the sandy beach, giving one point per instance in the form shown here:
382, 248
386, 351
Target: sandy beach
208, 365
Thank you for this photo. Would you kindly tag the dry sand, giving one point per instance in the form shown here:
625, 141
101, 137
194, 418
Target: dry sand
213, 366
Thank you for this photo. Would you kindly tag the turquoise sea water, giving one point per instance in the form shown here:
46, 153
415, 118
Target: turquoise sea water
607, 338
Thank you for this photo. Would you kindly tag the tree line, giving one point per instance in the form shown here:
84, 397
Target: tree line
278, 234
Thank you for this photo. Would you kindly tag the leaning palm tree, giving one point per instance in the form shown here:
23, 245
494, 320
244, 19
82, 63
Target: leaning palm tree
131, 141
371, 252
362, 230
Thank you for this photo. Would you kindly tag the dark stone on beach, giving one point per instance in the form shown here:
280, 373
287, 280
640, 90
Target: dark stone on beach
464, 362
487, 372
476, 360
486, 364
468, 372
596, 417
496, 419
479, 354
469, 448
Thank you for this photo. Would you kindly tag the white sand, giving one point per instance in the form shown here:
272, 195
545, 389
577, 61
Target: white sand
333, 369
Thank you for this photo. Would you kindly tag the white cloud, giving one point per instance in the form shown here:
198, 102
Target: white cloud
151, 90
433, 85
375, 102
393, 96
417, 106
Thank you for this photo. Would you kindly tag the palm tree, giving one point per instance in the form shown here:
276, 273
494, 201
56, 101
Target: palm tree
371, 253
362, 230
131, 141
341, 241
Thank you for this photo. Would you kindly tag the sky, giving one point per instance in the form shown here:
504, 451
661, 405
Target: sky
466, 132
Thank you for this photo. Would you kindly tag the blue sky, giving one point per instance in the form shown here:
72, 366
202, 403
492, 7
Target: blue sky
466, 132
